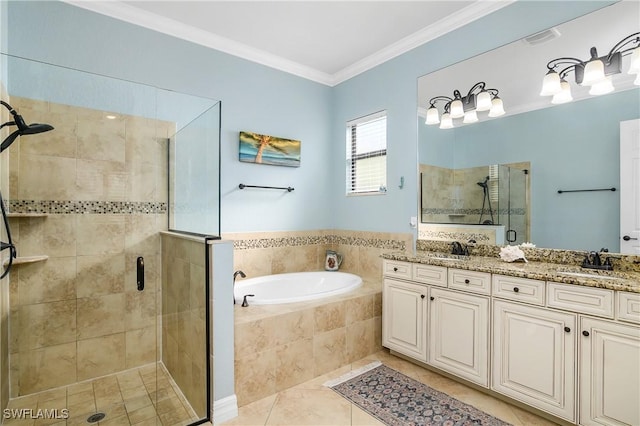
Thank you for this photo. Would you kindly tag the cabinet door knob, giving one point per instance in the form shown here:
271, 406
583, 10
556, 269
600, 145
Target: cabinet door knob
422, 296
567, 329
395, 269
516, 289
585, 333
466, 281
432, 298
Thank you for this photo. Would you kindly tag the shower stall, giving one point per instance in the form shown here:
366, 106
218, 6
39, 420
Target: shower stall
105, 313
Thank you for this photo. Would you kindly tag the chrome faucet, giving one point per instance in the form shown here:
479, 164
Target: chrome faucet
235, 275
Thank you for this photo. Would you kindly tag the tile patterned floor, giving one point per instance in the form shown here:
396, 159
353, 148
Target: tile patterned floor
311, 403
134, 397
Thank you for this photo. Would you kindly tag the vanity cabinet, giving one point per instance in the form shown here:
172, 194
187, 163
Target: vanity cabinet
459, 334
609, 373
404, 309
534, 356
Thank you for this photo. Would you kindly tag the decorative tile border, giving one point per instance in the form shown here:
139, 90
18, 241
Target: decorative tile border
86, 207
387, 244
513, 211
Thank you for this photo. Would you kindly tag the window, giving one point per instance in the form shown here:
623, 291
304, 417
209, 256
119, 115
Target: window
367, 154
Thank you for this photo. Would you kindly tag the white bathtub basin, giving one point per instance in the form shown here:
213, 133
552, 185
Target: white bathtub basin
294, 287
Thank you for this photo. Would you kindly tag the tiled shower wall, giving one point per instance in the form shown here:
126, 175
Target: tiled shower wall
102, 185
184, 351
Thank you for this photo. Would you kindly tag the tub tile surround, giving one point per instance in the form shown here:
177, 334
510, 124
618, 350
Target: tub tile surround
280, 346
78, 315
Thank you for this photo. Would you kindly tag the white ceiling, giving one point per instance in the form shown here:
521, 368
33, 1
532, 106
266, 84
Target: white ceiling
325, 41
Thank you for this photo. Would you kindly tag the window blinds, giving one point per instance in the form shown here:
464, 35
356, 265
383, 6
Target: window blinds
367, 154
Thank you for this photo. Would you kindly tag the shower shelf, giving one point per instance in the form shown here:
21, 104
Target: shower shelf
18, 215
28, 259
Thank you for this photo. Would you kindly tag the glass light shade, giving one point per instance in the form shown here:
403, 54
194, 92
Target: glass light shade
446, 122
593, 72
550, 84
563, 96
483, 101
603, 87
634, 67
457, 110
432, 116
470, 116
497, 108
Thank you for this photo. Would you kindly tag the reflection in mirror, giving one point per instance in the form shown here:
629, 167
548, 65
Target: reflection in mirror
488, 202
570, 146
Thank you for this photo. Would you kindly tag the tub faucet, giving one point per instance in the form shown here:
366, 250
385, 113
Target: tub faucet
235, 275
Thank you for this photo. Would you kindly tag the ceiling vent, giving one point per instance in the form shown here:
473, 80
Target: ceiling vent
542, 37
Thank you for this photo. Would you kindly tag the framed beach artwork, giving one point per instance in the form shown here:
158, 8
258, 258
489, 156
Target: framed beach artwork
264, 149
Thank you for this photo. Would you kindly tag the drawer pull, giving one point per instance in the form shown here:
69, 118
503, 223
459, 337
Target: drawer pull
585, 333
395, 269
466, 281
567, 329
432, 298
422, 296
516, 289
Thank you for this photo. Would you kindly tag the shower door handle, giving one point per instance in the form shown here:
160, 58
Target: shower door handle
511, 235
140, 273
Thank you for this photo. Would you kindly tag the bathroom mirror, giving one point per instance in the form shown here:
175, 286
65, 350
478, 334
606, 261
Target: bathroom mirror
570, 146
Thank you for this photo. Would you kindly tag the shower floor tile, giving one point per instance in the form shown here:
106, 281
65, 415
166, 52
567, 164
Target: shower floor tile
134, 397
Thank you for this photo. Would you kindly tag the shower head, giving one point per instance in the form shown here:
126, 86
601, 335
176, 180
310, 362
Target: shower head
483, 184
23, 128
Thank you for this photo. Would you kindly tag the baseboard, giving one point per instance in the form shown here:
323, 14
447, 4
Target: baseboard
225, 409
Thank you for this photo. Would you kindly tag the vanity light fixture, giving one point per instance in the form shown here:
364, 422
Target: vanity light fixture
596, 72
478, 99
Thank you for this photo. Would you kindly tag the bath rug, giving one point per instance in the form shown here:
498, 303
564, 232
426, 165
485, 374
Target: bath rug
398, 400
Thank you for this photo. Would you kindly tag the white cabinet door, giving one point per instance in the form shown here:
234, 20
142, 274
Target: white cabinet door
534, 357
459, 334
404, 316
609, 373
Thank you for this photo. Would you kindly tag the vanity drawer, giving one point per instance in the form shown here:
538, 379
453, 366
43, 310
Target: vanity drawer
585, 300
519, 289
477, 282
429, 274
628, 306
394, 268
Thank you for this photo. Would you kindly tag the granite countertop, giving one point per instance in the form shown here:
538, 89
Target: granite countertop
560, 273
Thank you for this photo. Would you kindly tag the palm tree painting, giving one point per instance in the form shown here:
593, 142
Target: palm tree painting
264, 149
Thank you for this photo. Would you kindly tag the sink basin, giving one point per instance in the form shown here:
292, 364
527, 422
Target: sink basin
453, 257
587, 275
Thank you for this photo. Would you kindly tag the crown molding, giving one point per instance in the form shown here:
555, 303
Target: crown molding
133, 15
461, 18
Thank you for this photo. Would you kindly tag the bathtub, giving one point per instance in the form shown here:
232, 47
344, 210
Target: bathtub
295, 287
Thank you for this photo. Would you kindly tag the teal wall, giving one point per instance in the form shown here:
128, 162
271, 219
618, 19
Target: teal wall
570, 146
261, 99
254, 98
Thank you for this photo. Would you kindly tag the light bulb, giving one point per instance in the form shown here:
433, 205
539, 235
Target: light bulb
634, 67
470, 117
593, 72
550, 84
602, 87
483, 101
637, 80
497, 108
457, 110
446, 122
564, 96
432, 116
